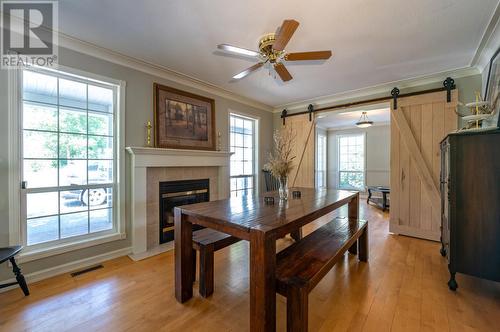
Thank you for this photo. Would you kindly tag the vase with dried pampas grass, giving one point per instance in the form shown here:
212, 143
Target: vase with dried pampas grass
281, 159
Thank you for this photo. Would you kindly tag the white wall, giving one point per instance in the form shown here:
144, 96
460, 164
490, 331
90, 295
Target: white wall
378, 150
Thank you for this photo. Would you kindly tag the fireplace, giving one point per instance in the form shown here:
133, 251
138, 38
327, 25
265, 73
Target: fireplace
177, 193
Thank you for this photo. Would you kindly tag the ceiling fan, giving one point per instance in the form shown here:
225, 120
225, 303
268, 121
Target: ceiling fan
271, 50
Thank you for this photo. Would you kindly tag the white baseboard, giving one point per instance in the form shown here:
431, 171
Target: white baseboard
68, 267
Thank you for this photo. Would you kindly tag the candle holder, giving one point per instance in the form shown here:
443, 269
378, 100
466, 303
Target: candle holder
148, 131
296, 194
219, 141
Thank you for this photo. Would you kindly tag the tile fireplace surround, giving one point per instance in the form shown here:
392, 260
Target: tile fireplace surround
150, 166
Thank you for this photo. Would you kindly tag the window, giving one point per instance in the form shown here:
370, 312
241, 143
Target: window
242, 142
351, 152
321, 161
68, 155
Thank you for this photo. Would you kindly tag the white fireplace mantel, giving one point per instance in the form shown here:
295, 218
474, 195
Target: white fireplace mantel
141, 158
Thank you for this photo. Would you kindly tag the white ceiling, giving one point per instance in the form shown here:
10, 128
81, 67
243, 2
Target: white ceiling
380, 114
373, 42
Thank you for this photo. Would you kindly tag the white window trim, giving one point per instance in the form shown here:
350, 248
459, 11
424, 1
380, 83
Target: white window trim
256, 144
364, 159
325, 159
16, 236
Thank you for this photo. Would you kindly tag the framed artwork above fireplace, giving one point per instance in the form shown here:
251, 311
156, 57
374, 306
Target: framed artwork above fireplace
183, 120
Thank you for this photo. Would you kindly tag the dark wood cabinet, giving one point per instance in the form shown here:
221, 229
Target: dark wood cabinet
470, 201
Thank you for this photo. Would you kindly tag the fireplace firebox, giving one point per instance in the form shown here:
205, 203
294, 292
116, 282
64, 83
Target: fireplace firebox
177, 193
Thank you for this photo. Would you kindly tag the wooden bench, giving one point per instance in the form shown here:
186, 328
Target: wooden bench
301, 266
207, 241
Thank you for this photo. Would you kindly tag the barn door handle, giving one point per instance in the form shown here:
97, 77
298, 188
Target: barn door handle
403, 175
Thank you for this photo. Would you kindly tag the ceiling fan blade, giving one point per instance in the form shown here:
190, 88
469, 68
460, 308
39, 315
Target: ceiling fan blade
284, 34
237, 50
282, 72
316, 55
248, 71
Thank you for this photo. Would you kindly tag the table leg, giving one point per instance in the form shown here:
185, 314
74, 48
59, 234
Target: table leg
262, 281
363, 246
183, 257
353, 213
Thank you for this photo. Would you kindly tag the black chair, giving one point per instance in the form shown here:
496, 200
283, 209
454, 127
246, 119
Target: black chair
7, 254
272, 183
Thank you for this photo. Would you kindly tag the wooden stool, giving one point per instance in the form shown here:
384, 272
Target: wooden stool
7, 254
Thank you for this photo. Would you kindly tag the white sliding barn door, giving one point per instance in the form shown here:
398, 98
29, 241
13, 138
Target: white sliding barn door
417, 127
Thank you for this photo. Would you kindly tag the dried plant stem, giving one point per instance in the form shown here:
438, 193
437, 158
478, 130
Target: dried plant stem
281, 160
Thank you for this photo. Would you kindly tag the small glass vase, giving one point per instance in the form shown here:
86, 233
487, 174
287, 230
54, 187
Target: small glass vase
283, 189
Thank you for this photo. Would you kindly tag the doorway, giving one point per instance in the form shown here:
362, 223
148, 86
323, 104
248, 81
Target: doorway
356, 157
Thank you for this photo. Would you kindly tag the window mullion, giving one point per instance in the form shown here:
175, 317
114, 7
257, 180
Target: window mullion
87, 161
58, 163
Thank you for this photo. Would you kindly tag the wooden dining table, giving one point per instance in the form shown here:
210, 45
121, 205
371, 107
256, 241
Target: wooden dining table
252, 219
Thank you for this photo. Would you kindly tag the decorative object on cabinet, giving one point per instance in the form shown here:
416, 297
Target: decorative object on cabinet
183, 120
470, 218
480, 113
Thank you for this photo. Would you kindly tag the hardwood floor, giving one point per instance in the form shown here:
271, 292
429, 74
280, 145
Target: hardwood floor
402, 288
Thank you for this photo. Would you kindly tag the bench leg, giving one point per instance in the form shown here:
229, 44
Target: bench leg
363, 245
206, 287
19, 277
353, 214
297, 310
194, 265
297, 235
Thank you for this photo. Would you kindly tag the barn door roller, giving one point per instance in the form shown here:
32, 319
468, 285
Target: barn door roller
449, 84
310, 108
283, 115
395, 94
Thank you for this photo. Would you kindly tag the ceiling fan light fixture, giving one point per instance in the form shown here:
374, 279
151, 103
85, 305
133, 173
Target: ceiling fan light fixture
238, 50
363, 121
240, 75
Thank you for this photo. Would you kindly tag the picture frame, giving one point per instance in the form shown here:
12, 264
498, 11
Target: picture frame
183, 120
492, 90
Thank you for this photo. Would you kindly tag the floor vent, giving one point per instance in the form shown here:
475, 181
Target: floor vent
89, 269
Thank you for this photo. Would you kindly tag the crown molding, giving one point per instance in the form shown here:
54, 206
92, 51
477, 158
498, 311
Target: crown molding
153, 69
379, 89
489, 43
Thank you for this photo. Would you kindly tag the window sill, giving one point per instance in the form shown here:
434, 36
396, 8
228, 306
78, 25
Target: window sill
28, 255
